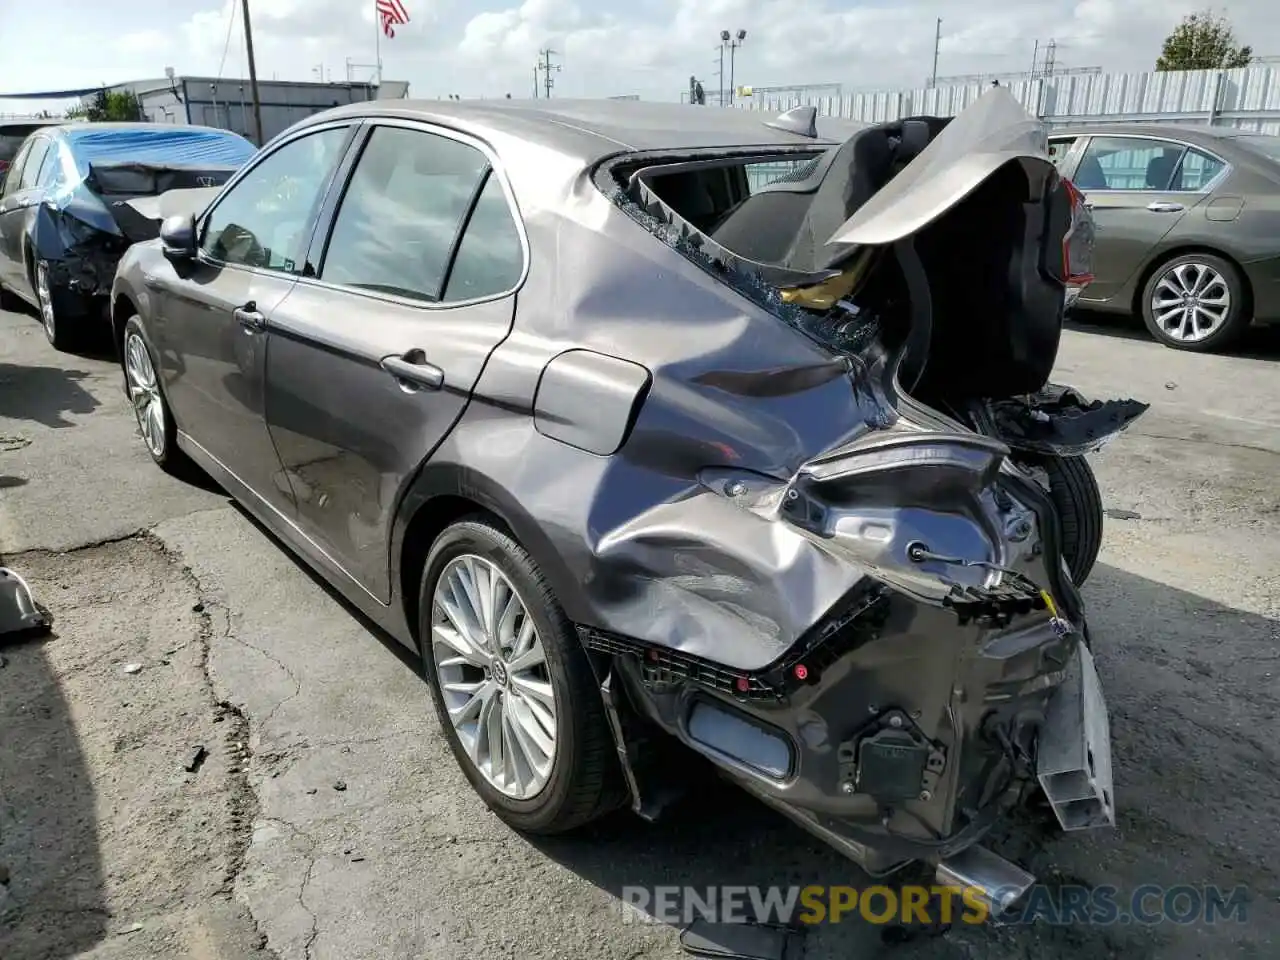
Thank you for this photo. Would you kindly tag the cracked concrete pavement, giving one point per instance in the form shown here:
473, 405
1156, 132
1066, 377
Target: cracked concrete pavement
329, 820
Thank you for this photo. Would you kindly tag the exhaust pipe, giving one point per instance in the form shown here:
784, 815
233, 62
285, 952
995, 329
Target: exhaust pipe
1000, 882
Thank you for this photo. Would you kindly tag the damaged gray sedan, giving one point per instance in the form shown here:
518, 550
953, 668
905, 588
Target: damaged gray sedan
77, 194
649, 425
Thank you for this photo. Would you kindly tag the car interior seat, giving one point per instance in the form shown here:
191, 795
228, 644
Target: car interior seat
789, 221
1160, 170
1090, 175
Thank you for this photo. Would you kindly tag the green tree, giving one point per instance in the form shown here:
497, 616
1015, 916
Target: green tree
1203, 41
109, 105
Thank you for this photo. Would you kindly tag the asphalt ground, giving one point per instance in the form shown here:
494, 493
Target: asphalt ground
327, 818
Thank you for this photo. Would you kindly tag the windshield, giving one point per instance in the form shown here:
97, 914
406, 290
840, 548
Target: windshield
11, 138
1266, 145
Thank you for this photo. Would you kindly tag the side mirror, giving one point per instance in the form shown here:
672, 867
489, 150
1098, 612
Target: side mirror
178, 237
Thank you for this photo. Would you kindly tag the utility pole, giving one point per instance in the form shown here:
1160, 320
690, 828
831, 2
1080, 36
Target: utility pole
937, 45
1035, 59
253, 72
547, 67
1050, 55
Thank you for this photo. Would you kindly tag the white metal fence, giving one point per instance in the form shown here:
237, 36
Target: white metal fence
1248, 97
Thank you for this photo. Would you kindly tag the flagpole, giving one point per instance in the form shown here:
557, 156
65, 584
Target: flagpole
377, 43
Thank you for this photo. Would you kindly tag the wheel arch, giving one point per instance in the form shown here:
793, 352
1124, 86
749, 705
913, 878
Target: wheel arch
1180, 250
444, 493
122, 308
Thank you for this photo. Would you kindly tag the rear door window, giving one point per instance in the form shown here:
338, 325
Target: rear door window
1128, 163
14, 175
35, 159
401, 217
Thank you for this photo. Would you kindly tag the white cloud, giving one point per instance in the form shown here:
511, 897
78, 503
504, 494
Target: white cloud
648, 47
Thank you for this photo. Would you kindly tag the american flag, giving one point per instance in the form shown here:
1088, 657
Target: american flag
392, 13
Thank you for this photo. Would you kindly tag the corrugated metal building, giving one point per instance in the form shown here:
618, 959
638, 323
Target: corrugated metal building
1247, 97
228, 103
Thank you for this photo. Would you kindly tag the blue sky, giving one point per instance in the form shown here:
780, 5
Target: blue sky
607, 47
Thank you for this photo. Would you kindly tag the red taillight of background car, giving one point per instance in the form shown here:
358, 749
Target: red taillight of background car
4, 167
1077, 244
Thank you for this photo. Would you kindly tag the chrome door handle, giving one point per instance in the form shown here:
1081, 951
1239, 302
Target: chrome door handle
249, 318
413, 370
1164, 206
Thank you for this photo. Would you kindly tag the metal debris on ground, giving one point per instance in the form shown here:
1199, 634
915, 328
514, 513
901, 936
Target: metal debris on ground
195, 757
132, 668
340, 785
1116, 514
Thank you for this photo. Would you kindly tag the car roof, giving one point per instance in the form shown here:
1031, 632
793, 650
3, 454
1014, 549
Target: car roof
594, 129
74, 130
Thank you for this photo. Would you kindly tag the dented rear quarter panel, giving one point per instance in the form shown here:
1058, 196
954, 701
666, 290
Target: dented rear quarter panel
634, 543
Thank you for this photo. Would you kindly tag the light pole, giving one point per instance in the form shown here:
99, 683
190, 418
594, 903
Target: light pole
724, 40
737, 42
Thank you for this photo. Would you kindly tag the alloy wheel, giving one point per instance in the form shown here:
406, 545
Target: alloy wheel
1190, 302
144, 393
45, 296
493, 676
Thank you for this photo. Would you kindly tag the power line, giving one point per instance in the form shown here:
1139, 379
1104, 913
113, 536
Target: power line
226, 44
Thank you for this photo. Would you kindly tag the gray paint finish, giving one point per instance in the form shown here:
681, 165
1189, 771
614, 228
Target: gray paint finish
688, 540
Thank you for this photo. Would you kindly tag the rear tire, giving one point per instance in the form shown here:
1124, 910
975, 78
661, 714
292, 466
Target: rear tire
583, 781
1205, 289
1073, 488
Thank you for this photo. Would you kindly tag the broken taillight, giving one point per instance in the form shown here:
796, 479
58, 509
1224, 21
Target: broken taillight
1077, 243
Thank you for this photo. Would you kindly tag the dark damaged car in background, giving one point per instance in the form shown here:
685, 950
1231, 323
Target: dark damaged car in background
656, 428
77, 194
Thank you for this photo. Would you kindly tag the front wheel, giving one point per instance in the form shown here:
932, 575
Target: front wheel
146, 395
56, 329
515, 694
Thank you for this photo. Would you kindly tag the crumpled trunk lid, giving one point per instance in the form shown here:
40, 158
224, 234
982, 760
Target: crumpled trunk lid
135, 193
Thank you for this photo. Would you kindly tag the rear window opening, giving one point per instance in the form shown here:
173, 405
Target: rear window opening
974, 299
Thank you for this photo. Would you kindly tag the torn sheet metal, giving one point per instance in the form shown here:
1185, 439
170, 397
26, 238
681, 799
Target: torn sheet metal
992, 132
1057, 420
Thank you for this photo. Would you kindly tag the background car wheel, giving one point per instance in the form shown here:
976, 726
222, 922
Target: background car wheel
517, 699
1196, 302
1074, 491
155, 422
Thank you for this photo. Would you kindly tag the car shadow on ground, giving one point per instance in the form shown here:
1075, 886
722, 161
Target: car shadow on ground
45, 395
52, 904
1259, 342
1189, 715
1191, 701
